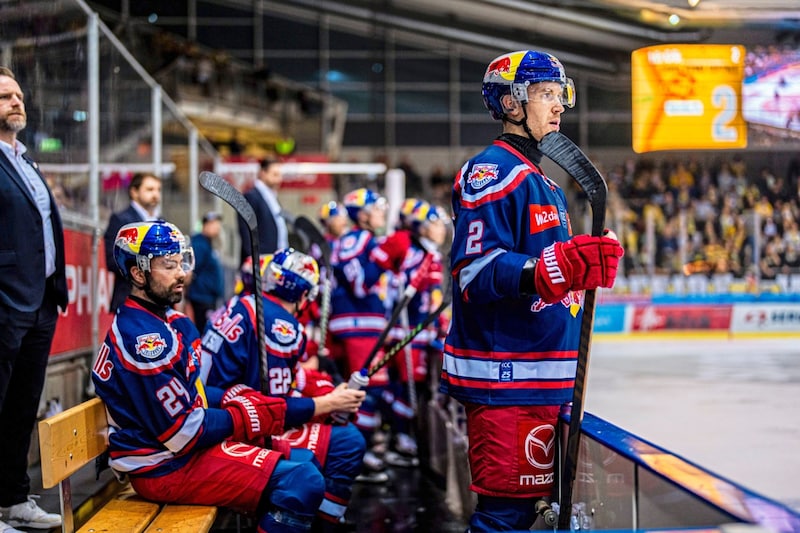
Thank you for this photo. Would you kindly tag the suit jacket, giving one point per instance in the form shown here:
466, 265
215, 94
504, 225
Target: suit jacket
22, 275
122, 288
267, 227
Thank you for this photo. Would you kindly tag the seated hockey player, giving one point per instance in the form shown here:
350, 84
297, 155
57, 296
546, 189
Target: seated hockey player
172, 443
290, 283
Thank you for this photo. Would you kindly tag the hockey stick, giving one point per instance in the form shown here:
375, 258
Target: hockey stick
309, 232
217, 186
395, 349
408, 294
568, 156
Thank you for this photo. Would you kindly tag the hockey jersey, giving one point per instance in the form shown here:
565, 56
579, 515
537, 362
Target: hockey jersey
357, 308
146, 372
426, 299
504, 348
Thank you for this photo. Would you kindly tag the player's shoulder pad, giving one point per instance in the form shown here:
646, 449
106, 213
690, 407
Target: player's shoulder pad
353, 244
145, 343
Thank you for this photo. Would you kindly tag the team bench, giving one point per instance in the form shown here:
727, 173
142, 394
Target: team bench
74, 438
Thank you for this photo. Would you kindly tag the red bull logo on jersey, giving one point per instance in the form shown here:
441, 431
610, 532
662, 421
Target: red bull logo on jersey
572, 301
481, 175
150, 345
543, 217
283, 331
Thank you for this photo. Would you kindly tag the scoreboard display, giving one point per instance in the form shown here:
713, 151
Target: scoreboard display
688, 96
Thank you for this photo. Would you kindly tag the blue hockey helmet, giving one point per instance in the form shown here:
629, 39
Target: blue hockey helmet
290, 274
329, 210
414, 213
244, 282
512, 73
359, 199
137, 243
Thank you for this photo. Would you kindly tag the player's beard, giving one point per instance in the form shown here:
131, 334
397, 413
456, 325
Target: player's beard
163, 296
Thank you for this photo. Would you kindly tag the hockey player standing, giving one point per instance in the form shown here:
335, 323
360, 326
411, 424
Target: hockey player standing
164, 435
519, 275
428, 233
229, 343
358, 312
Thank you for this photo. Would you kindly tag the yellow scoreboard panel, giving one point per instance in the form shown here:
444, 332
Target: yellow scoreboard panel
687, 96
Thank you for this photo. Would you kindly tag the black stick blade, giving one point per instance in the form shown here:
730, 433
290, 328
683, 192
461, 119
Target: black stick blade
217, 186
566, 154
310, 233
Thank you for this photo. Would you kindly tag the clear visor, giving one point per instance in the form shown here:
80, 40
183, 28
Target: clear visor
568, 94
183, 260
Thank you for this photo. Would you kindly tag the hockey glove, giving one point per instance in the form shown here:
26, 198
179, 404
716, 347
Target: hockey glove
256, 416
390, 254
282, 446
312, 383
583, 262
239, 389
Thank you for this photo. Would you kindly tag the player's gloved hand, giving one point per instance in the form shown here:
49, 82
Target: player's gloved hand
255, 415
281, 445
240, 389
428, 275
313, 383
390, 254
583, 262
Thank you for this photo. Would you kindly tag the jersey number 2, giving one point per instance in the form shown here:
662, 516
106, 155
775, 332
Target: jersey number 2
474, 236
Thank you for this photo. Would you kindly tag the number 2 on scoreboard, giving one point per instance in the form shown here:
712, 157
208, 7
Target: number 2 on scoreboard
723, 97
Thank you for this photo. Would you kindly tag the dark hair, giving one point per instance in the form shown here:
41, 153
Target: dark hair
267, 162
138, 178
5, 71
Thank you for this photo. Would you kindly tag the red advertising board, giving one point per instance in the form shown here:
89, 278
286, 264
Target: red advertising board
74, 328
681, 317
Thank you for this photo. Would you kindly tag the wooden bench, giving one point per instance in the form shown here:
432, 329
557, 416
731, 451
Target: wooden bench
74, 438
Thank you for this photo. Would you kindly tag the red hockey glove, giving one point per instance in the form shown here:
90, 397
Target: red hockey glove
430, 277
390, 254
255, 416
281, 445
583, 262
239, 389
313, 383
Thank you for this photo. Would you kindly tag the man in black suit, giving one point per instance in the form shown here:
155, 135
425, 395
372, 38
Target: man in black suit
272, 231
144, 191
33, 285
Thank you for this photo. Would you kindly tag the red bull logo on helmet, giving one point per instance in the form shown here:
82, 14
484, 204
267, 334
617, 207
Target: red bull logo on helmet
150, 345
504, 67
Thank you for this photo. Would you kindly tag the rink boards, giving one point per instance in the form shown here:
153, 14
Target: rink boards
623, 483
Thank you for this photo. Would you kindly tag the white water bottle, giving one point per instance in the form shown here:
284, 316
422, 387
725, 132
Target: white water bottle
358, 380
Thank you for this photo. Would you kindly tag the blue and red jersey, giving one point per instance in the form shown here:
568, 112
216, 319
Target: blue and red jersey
147, 373
505, 348
357, 307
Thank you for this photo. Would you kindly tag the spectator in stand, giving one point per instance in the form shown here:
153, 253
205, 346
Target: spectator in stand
206, 289
33, 285
263, 197
144, 191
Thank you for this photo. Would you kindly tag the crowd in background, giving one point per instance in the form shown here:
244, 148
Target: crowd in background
737, 219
